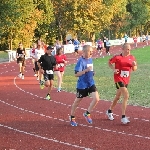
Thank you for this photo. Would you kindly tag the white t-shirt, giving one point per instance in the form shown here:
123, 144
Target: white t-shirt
39, 53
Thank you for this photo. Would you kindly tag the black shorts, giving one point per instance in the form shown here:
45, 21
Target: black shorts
85, 92
121, 84
21, 61
76, 50
48, 76
99, 48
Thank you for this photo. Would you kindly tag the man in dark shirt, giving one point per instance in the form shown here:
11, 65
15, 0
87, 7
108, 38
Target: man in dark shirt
46, 65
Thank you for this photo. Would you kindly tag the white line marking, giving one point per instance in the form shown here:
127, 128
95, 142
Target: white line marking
89, 126
146, 120
45, 138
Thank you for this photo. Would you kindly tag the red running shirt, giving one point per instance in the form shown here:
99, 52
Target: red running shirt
124, 65
60, 62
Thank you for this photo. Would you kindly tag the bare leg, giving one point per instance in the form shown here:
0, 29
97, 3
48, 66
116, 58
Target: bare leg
116, 99
75, 105
95, 100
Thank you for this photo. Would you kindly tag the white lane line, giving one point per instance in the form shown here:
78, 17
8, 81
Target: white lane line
146, 120
45, 138
84, 125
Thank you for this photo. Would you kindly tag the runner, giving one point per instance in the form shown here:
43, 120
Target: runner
20, 56
38, 53
124, 63
32, 55
76, 44
46, 65
61, 61
85, 84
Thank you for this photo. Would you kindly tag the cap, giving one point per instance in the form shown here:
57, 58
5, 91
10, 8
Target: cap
50, 47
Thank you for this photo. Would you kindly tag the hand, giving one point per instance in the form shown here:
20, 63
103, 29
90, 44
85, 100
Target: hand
134, 63
42, 71
116, 71
88, 69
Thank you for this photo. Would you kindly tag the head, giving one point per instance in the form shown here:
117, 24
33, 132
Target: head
126, 49
20, 45
87, 51
49, 50
59, 51
34, 45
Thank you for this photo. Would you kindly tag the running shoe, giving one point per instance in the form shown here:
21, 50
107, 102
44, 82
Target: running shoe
59, 90
125, 120
22, 77
42, 85
87, 118
48, 97
109, 115
73, 122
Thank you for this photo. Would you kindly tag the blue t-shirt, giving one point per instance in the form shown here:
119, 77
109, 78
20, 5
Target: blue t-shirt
76, 44
86, 80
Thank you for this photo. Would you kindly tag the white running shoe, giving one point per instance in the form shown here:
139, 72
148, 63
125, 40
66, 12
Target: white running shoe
38, 78
35, 75
109, 115
125, 120
22, 77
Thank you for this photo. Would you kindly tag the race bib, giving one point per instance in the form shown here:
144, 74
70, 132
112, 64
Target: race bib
60, 65
49, 71
124, 74
88, 65
21, 55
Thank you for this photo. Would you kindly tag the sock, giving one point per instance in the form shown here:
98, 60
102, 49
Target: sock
87, 113
123, 116
109, 111
48, 94
72, 117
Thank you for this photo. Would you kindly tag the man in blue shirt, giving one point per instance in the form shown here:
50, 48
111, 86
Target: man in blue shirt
85, 84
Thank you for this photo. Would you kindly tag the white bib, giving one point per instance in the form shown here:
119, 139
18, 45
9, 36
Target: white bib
49, 71
88, 65
124, 74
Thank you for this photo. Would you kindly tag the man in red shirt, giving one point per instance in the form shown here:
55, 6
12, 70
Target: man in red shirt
123, 65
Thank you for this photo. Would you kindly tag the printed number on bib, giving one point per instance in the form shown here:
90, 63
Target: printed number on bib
124, 74
20, 55
49, 71
90, 65
60, 65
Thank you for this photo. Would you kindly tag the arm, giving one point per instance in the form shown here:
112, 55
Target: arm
134, 66
80, 73
111, 65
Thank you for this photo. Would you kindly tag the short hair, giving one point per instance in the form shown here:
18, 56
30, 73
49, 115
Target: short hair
86, 47
125, 45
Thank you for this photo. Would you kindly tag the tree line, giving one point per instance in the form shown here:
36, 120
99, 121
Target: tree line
28, 20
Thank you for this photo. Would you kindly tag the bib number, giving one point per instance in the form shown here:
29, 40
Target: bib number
90, 65
49, 71
61, 65
124, 74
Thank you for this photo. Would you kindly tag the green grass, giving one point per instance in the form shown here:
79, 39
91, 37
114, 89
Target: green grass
3, 54
139, 87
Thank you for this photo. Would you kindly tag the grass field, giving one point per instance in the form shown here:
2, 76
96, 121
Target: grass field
139, 86
3, 54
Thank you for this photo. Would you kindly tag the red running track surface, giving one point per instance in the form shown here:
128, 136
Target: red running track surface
28, 122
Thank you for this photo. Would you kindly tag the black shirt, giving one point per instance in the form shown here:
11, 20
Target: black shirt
21, 54
47, 62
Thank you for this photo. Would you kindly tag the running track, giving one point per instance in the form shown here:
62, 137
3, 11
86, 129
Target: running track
28, 122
